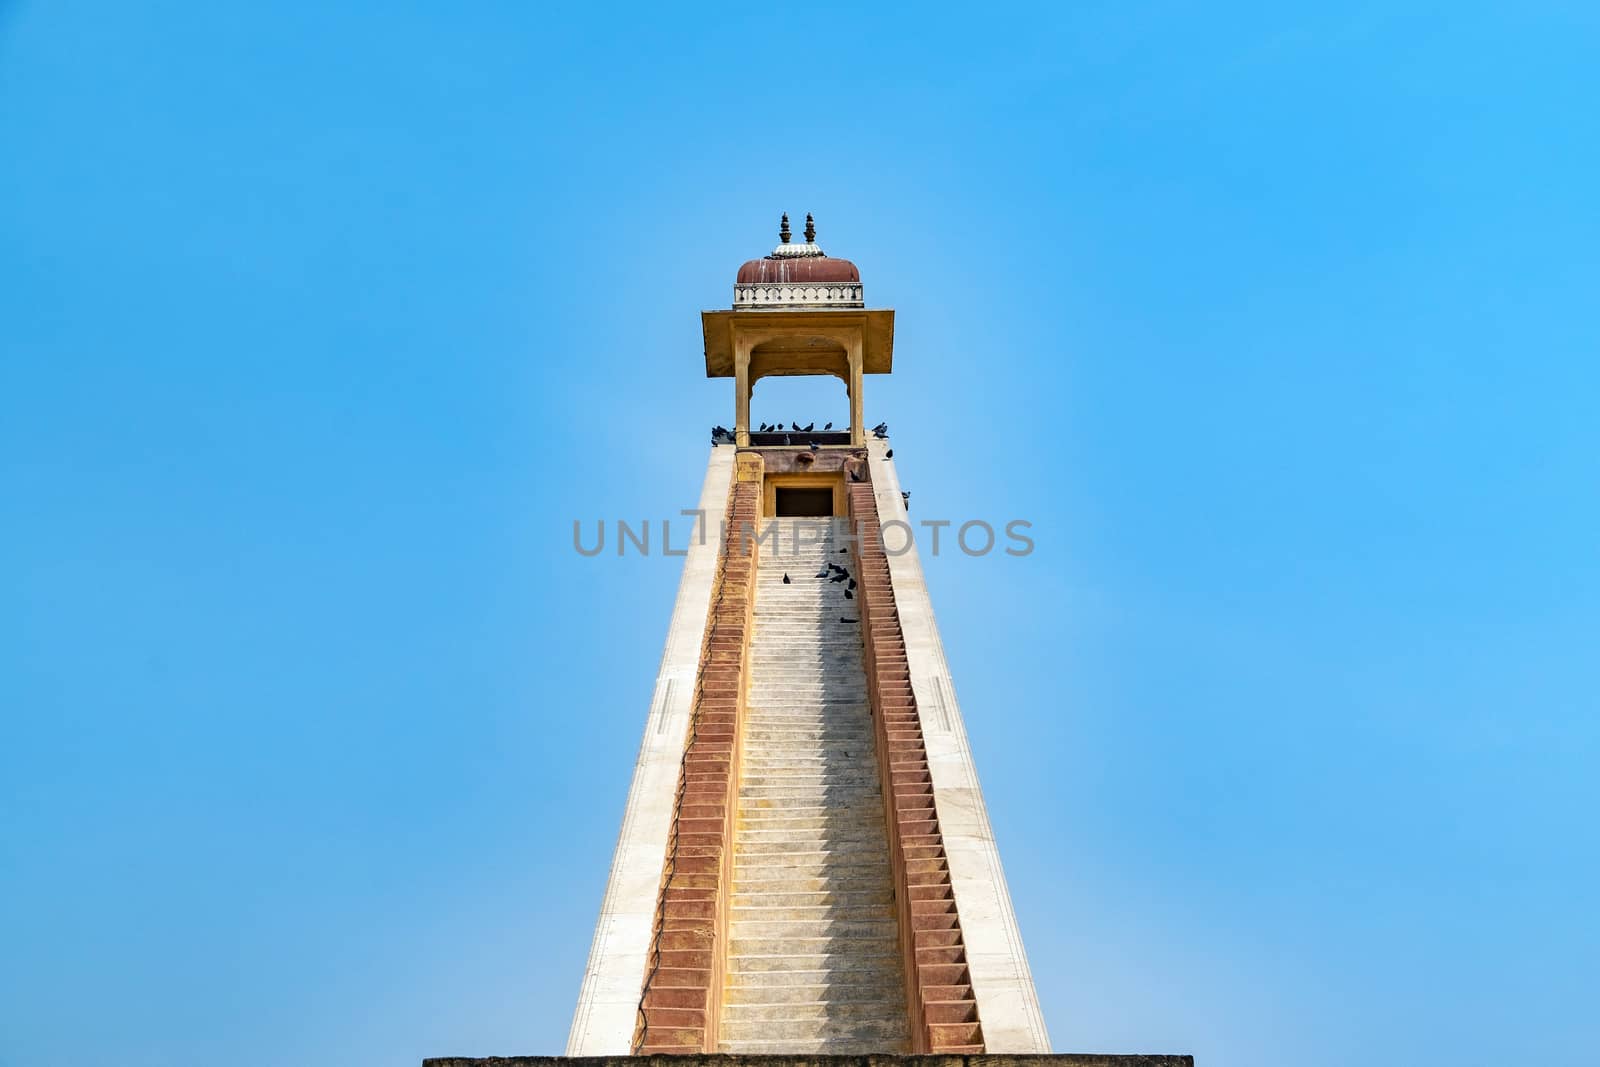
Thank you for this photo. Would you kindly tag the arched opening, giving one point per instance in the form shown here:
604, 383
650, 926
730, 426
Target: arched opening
786, 400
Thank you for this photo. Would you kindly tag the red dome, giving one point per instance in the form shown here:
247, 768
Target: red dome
800, 270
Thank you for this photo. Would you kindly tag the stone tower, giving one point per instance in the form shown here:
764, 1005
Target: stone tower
805, 864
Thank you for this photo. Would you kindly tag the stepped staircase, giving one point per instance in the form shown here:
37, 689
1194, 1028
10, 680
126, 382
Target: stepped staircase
814, 957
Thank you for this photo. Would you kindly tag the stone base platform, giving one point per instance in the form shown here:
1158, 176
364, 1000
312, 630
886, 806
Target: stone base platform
1066, 1059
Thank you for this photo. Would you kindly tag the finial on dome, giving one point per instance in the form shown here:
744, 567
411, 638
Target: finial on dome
811, 230
783, 230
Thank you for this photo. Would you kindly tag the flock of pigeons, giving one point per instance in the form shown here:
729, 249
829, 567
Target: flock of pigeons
809, 427
833, 573
721, 435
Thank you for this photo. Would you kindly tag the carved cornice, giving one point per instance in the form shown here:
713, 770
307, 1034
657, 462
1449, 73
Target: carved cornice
791, 295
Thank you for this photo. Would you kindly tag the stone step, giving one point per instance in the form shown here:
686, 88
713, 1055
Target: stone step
871, 958
826, 779
813, 716
837, 734
767, 823
847, 715
864, 823
830, 1008
833, 749
768, 813
800, 852
760, 807
766, 871
745, 929
768, 803
820, 721
815, 913
864, 827
802, 757
858, 989
853, 1030
823, 634
863, 818
815, 770
867, 827
843, 898
870, 844
830, 747
859, 884
842, 708
846, 750
829, 1046
768, 797
754, 986
764, 784
837, 882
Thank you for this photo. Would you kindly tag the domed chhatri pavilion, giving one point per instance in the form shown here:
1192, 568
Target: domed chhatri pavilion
805, 866
797, 275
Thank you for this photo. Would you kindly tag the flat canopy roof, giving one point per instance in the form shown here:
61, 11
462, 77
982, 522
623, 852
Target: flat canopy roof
877, 333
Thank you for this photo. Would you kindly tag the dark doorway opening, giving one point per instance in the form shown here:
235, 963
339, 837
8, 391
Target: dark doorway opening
804, 503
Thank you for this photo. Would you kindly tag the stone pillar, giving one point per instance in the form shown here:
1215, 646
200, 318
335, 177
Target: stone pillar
858, 429
741, 393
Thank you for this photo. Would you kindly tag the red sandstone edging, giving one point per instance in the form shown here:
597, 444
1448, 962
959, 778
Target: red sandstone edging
939, 998
682, 994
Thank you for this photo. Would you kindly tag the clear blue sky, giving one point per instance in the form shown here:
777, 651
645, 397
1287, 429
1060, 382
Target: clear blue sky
319, 327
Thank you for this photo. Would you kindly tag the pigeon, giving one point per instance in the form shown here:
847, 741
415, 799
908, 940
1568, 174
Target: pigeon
889, 454
849, 587
815, 447
855, 476
881, 430
827, 426
841, 550
795, 426
810, 426
843, 619
836, 567
905, 498
847, 595
838, 578
786, 579
823, 573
